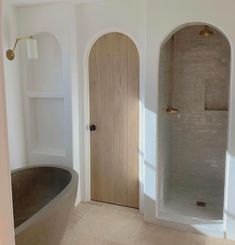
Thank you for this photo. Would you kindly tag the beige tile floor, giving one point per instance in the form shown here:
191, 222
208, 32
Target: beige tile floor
103, 224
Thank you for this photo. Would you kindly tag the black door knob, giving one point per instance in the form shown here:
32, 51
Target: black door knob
93, 128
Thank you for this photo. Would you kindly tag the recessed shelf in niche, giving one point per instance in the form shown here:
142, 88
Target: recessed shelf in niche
47, 152
47, 126
45, 95
216, 95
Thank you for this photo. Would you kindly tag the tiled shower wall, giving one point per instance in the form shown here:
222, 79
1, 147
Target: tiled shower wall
197, 138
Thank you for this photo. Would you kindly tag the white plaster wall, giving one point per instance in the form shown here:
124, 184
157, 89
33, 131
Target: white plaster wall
30, 2
164, 16
39, 19
14, 97
94, 20
6, 215
59, 20
164, 124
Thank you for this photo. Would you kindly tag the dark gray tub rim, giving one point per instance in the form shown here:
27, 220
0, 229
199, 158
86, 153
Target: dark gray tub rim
42, 212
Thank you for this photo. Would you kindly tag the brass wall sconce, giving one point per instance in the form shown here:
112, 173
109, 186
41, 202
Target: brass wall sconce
31, 48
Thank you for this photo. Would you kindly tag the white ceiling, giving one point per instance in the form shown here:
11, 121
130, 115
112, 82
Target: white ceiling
30, 2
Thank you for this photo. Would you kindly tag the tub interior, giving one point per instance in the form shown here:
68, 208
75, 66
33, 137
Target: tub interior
34, 188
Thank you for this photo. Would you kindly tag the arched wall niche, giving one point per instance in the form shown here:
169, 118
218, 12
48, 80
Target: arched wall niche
195, 75
45, 102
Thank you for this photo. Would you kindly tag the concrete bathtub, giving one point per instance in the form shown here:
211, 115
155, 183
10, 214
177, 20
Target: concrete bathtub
43, 197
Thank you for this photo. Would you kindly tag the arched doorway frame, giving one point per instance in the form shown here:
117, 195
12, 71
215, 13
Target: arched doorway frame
87, 164
226, 37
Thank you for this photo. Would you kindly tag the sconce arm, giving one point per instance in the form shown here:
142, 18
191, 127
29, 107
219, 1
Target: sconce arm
19, 39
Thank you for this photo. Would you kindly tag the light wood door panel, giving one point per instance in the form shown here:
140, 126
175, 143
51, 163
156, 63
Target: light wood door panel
114, 109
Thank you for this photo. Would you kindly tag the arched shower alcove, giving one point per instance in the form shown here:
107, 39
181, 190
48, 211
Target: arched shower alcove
193, 120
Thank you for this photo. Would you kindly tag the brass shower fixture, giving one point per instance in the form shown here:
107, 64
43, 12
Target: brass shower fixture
170, 109
206, 32
11, 52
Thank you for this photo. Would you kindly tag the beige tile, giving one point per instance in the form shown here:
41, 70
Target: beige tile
213, 241
104, 224
125, 230
106, 242
153, 234
180, 238
77, 238
96, 204
148, 234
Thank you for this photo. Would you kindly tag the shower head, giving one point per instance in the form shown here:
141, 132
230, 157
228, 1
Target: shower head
206, 32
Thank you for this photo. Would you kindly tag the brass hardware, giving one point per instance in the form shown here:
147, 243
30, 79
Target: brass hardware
11, 52
206, 32
170, 108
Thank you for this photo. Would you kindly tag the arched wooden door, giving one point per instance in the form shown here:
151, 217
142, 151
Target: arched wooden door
114, 117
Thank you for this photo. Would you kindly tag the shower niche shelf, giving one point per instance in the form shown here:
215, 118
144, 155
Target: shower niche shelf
49, 153
216, 95
46, 95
